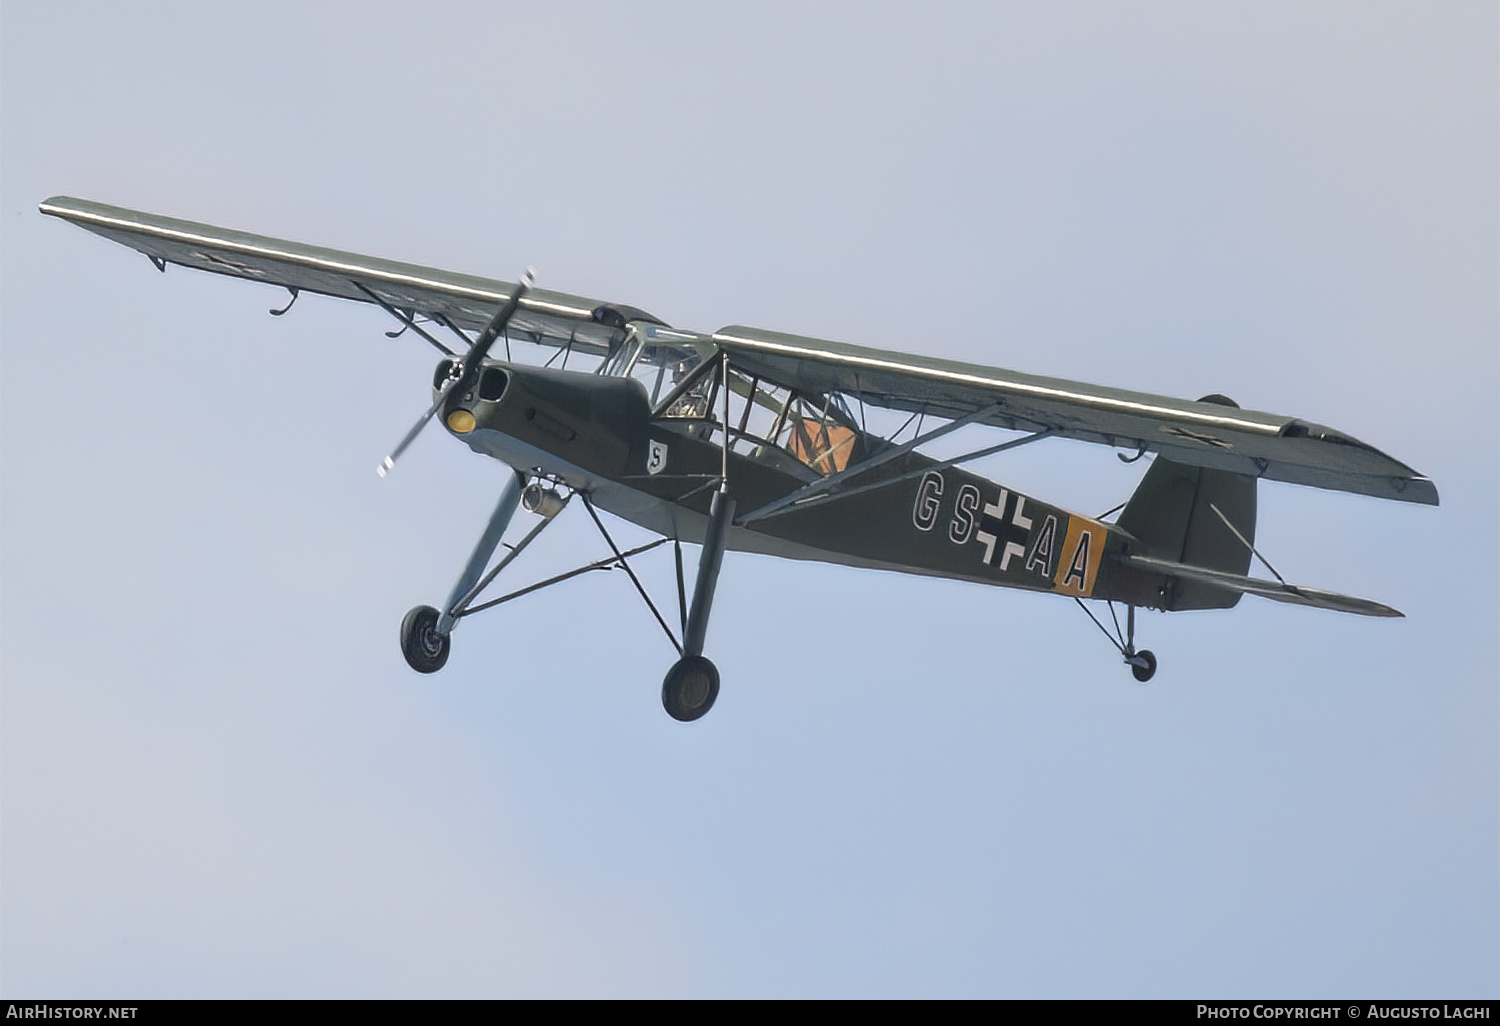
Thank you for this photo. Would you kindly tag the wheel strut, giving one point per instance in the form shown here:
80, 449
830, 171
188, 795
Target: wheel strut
692, 684
1143, 663
425, 631
510, 498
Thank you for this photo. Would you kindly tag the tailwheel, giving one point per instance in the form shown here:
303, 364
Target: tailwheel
1143, 665
425, 649
690, 687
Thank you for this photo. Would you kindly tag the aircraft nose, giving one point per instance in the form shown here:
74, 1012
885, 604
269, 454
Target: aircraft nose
492, 384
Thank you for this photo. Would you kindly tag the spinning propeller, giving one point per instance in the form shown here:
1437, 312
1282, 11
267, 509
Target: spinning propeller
463, 371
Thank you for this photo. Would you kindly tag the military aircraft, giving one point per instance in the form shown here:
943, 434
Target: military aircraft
757, 441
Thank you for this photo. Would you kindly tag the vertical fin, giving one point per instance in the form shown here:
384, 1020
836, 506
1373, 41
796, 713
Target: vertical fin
1171, 514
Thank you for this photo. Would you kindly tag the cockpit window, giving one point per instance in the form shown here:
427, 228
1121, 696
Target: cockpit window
656, 356
764, 418
692, 401
821, 445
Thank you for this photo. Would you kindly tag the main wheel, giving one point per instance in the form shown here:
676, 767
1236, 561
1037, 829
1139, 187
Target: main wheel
690, 688
1144, 673
425, 649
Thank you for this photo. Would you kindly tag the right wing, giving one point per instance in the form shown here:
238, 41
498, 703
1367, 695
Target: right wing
550, 318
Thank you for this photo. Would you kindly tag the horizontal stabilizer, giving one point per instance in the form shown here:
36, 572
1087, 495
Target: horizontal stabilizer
1265, 589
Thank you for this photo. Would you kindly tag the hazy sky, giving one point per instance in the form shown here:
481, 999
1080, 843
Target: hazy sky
219, 778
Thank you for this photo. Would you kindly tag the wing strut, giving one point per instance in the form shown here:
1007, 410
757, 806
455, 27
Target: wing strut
816, 488
844, 493
409, 322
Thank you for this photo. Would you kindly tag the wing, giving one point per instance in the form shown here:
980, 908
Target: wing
1296, 594
551, 318
1204, 434
1199, 433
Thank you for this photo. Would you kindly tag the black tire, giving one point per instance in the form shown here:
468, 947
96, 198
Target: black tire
425, 649
1144, 673
690, 688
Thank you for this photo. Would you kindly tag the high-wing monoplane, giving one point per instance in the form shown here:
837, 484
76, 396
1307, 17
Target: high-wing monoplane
757, 441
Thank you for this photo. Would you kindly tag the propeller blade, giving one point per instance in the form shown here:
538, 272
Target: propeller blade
466, 369
497, 324
416, 429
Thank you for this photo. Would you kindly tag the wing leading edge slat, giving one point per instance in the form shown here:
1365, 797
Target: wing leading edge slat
1197, 433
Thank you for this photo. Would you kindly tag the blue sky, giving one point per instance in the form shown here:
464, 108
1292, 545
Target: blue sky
218, 777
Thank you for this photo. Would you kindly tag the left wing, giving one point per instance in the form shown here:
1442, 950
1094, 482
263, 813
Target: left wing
1206, 434
551, 318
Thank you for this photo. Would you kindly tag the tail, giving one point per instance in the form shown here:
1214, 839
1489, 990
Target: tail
1185, 555
1169, 515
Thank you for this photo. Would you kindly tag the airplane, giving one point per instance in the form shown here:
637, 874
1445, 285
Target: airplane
750, 440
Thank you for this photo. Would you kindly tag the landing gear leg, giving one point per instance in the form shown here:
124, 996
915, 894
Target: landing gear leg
692, 684
425, 631
1143, 663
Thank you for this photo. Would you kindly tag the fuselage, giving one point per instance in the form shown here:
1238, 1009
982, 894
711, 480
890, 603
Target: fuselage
658, 468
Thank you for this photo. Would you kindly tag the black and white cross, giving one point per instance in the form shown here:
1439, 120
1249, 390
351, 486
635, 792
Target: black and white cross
1004, 525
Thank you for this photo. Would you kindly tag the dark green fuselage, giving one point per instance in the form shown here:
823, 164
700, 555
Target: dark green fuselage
598, 433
